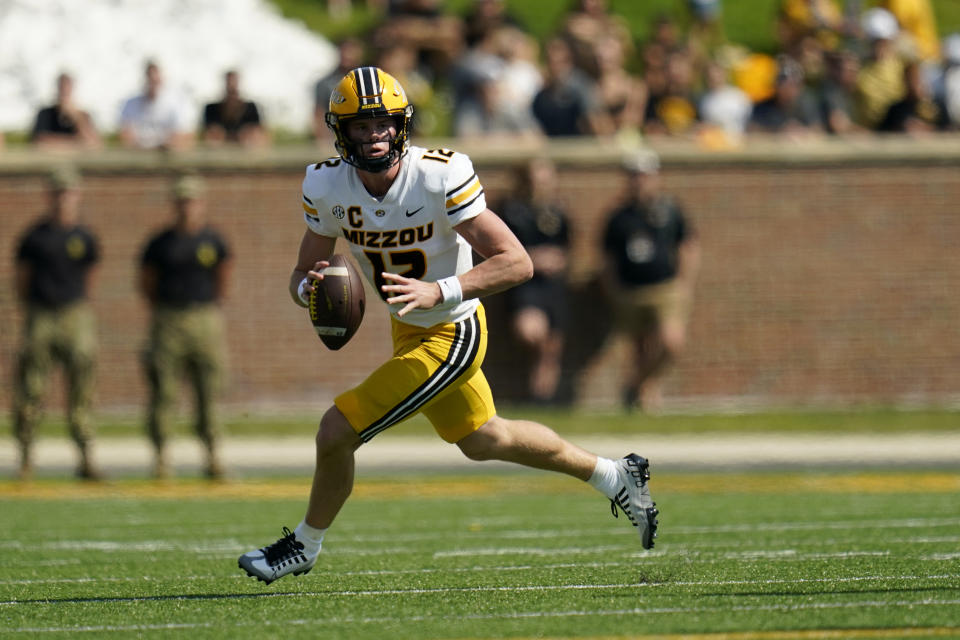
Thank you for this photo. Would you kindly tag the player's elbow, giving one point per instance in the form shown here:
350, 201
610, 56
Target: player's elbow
523, 268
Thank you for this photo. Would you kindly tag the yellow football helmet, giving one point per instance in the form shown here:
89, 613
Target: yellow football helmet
369, 92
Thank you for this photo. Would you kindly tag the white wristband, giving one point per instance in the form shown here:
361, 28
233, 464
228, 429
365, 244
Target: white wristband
451, 290
302, 292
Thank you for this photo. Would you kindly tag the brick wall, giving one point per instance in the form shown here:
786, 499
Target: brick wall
826, 279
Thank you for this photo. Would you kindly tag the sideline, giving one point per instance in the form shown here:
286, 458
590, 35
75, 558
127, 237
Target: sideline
393, 466
389, 453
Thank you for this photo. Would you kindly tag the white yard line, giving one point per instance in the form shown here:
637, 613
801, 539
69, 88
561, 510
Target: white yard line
503, 589
639, 611
364, 543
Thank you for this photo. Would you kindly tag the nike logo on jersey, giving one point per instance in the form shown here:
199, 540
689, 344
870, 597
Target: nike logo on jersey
413, 213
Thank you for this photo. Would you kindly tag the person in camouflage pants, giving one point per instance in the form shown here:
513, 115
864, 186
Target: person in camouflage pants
183, 275
54, 266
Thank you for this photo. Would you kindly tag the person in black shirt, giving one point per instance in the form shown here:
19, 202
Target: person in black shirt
183, 275
54, 266
653, 257
539, 306
64, 124
791, 110
233, 119
567, 103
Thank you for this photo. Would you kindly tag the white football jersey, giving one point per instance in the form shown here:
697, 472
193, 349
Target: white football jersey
410, 230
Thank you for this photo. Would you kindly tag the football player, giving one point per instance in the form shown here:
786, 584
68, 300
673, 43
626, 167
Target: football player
411, 217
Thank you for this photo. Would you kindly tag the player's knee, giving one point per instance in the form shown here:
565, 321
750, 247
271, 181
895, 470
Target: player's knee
477, 453
486, 442
335, 433
475, 447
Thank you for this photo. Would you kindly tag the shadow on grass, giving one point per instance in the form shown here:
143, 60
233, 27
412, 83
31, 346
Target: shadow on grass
197, 596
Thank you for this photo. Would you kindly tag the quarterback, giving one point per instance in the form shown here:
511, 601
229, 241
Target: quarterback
412, 218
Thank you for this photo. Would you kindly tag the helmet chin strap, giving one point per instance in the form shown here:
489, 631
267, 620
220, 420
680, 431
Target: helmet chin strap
376, 164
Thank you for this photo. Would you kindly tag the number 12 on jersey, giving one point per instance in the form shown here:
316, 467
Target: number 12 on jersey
415, 261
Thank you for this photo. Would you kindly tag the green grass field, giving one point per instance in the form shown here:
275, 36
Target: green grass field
740, 556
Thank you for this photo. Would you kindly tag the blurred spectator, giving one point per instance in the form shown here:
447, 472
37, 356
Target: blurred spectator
183, 275
791, 110
401, 62
64, 123
947, 81
55, 263
588, 23
539, 307
653, 257
880, 81
653, 57
486, 17
918, 27
158, 118
673, 110
233, 119
756, 74
654, 61
705, 36
567, 104
350, 55
723, 107
811, 57
799, 19
664, 40
666, 34
473, 79
520, 78
917, 112
621, 95
422, 26
837, 93
494, 84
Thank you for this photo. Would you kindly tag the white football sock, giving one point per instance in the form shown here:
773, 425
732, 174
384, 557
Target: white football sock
311, 537
606, 478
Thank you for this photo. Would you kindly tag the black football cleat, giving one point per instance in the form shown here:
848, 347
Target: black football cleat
283, 557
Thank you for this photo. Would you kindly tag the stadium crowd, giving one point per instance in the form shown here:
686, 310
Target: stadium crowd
842, 67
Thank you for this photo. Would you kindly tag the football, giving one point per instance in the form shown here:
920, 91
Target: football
337, 303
